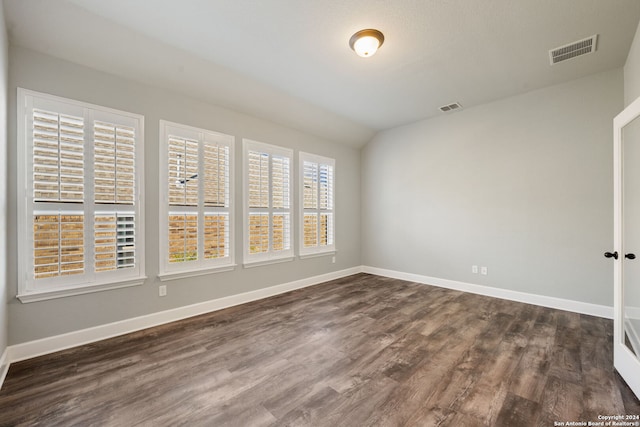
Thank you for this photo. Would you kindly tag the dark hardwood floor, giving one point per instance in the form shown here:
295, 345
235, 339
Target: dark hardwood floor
358, 351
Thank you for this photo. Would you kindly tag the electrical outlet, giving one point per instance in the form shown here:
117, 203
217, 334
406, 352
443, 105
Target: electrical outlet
474, 269
333, 260
484, 271
162, 290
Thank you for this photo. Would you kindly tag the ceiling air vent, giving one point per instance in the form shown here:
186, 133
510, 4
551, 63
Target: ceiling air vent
572, 50
451, 107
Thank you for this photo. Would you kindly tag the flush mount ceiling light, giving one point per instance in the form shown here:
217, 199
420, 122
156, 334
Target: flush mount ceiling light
366, 42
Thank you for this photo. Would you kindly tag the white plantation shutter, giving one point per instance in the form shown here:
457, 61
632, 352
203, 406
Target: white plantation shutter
126, 249
259, 232
183, 171
183, 237
80, 174
316, 203
325, 193
281, 202
258, 184
114, 192
183, 199
310, 230
58, 177
281, 232
216, 164
196, 212
114, 162
310, 185
114, 236
280, 183
216, 235
58, 157
326, 197
106, 239
268, 207
216, 174
58, 244
310, 203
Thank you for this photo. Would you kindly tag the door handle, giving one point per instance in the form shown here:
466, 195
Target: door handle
613, 255
630, 256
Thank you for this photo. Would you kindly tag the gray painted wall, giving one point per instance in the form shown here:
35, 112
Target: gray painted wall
4, 320
632, 71
522, 185
42, 73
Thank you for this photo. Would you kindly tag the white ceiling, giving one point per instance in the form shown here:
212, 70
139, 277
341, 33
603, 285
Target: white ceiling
289, 61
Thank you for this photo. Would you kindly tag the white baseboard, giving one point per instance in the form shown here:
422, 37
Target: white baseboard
48, 345
632, 312
541, 300
4, 365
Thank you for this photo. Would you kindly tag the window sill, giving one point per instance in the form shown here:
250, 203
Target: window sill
317, 254
40, 295
164, 277
252, 264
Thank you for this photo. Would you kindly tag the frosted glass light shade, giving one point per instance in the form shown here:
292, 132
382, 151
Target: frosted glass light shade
366, 42
366, 46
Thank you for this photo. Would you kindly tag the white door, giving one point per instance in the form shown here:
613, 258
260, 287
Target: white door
626, 346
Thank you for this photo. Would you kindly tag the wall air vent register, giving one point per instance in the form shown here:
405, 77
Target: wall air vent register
451, 107
573, 50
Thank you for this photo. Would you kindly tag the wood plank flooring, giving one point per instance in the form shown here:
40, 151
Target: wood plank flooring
359, 351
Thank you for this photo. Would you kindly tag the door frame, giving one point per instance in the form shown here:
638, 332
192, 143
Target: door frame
624, 361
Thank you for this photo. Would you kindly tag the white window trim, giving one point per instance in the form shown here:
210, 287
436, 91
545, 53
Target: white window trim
195, 272
253, 264
255, 260
174, 271
318, 254
88, 289
305, 253
27, 292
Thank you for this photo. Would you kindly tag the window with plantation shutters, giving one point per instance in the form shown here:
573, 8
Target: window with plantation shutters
196, 218
317, 177
80, 169
268, 202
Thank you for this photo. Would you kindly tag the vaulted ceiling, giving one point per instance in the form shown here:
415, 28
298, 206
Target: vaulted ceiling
289, 61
